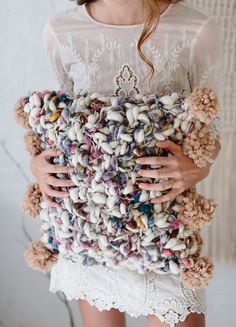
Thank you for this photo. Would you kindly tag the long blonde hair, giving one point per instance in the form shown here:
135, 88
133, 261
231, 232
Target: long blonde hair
152, 16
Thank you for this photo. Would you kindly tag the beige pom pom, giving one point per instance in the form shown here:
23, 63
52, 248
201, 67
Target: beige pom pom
39, 257
203, 104
32, 143
21, 116
199, 240
194, 244
195, 210
199, 274
199, 146
31, 201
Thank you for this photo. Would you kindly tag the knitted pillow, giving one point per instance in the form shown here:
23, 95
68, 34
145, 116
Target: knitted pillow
107, 218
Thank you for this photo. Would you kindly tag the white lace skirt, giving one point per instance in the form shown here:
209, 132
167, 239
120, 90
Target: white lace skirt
162, 295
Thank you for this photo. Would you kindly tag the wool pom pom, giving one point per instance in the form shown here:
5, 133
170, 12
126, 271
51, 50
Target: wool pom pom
195, 209
39, 257
199, 146
199, 274
31, 201
199, 241
21, 116
32, 143
203, 104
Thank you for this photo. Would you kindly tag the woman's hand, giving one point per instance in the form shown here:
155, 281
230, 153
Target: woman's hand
42, 169
180, 171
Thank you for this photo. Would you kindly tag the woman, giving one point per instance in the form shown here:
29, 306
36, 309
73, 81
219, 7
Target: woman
97, 46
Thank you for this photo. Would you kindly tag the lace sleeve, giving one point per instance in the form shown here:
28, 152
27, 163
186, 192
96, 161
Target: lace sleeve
205, 55
51, 45
205, 62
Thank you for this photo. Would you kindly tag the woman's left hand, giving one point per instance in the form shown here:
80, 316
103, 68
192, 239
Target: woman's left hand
180, 171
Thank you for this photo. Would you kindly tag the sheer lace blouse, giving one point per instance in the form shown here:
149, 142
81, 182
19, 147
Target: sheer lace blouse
86, 54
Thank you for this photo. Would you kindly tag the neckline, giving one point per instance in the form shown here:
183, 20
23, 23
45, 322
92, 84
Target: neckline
122, 26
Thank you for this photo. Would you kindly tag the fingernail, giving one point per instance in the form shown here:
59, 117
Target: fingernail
138, 160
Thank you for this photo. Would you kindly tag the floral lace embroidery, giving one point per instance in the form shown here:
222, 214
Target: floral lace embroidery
84, 74
126, 82
87, 75
166, 67
209, 72
65, 83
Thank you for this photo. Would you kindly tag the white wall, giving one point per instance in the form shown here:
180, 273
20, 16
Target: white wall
24, 297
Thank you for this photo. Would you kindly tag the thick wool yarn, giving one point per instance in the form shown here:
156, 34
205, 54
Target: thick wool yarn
107, 218
39, 257
203, 104
31, 201
194, 209
21, 116
32, 143
199, 275
199, 146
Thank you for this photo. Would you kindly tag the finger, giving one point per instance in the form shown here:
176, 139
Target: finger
49, 201
59, 169
60, 194
59, 182
181, 186
171, 146
157, 173
164, 161
51, 152
167, 197
158, 186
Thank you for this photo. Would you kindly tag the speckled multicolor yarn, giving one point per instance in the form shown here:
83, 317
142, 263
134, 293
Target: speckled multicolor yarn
107, 219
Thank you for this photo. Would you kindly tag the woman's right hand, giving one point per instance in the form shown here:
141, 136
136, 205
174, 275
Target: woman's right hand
42, 169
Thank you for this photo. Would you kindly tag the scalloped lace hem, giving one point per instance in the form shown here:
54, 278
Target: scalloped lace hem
171, 317
164, 296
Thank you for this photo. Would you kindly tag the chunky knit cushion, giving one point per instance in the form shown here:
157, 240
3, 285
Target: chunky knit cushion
107, 218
